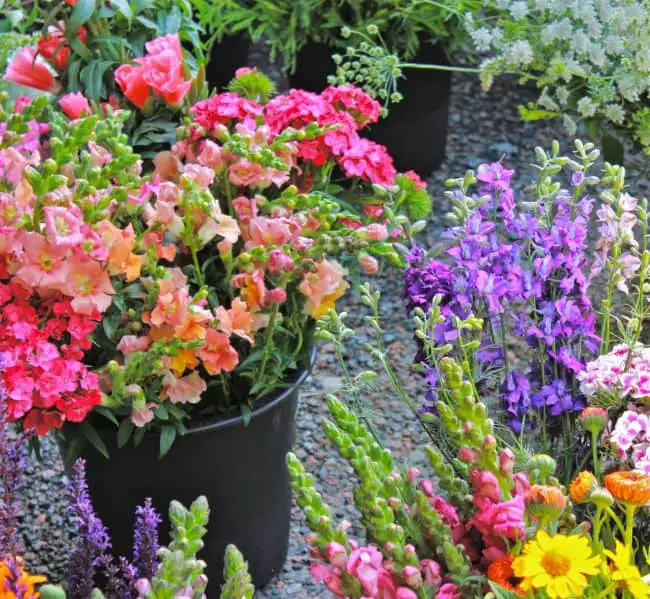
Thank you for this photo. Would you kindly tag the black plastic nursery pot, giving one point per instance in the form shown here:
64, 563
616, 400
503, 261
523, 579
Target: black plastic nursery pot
241, 469
226, 57
415, 130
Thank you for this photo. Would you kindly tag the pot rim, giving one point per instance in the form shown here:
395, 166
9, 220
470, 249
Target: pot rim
266, 405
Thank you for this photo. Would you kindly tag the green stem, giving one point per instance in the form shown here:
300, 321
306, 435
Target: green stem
598, 524
612, 514
268, 340
629, 528
594, 453
197, 266
437, 67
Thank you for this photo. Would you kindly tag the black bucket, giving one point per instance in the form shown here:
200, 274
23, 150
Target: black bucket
240, 469
226, 57
415, 130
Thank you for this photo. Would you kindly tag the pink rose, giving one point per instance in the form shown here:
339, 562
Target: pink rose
130, 80
75, 105
164, 69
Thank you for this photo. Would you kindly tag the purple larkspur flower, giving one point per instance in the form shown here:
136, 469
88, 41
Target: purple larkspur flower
558, 398
145, 540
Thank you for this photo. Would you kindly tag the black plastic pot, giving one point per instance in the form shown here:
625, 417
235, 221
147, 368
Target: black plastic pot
226, 57
240, 469
415, 130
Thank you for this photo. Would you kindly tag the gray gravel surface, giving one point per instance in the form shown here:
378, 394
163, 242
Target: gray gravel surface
482, 128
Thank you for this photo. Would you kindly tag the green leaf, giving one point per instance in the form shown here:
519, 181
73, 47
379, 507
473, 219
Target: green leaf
107, 413
124, 7
167, 438
501, 593
253, 357
124, 432
80, 48
109, 324
81, 13
95, 440
148, 23
247, 414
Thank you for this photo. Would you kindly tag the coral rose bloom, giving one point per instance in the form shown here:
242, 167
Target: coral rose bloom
133, 86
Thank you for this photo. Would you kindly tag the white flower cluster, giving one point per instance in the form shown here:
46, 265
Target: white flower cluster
590, 57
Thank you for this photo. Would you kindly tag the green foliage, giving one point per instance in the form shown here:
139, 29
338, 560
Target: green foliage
237, 583
179, 566
10, 41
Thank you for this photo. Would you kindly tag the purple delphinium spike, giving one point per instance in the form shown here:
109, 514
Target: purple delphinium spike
145, 540
93, 543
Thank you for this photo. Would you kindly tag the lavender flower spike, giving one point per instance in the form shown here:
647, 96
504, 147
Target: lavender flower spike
93, 541
145, 540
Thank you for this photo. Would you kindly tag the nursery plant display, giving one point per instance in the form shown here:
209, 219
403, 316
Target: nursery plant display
181, 304
589, 59
490, 521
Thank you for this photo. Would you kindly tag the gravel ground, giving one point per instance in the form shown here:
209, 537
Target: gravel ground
482, 128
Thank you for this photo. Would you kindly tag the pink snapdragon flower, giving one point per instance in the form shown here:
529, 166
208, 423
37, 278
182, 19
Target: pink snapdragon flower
75, 105
26, 69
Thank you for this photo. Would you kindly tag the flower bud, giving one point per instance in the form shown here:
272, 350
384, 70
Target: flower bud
468, 427
431, 571
545, 502
412, 474
506, 461
426, 486
594, 419
409, 550
489, 442
543, 463
311, 538
336, 554
394, 502
467, 455
582, 487
412, 576
368, 264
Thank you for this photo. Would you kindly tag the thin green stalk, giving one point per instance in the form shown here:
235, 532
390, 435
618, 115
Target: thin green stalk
594, 453
629, 528
437, 67
268, 340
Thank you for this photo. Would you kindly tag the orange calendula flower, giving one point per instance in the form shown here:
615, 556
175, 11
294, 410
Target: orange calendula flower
500, 572
632, 487
582, 486
545, 501
13, 575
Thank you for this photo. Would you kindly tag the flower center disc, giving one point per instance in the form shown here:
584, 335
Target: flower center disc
555, 564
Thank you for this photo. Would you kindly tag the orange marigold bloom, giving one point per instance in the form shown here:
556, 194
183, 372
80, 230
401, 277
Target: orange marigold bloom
500, 572
631, 487
581, 487
14, 575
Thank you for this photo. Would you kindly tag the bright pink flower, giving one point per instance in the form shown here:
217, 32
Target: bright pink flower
486, 486
141, 413
246, 173
163, 69
201, 175
403, 593
130, 344
280, 262
336, 554
277, 296
25, 69
186, 389
63, 226
413, 176
446, 511
412, 576
223, 108
355, 101
75, 105
467, 455
448, 591
21, 103
131, 81
328, 576
506, 461
369, 161
217, 354
99, 154
431, 571
365, 564
13, 163
241, 71
373, 210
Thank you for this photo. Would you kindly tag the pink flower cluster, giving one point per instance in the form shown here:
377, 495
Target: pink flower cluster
378, 577
612, 374
161, 71
43, 375
631, 438
342, 110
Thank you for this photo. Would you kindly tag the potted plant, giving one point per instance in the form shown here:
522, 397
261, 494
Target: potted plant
488, 521
307, 34
589, 63
128, 55
177, 309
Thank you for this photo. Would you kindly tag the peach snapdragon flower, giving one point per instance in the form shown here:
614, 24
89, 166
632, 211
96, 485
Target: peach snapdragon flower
323, 287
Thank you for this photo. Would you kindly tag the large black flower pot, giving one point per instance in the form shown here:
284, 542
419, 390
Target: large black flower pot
240, 469
415, 130
226, 57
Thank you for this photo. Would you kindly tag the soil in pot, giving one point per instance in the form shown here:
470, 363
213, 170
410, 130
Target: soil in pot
240, 469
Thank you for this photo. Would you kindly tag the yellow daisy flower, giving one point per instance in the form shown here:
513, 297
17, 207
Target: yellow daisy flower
626, 574
559, 565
